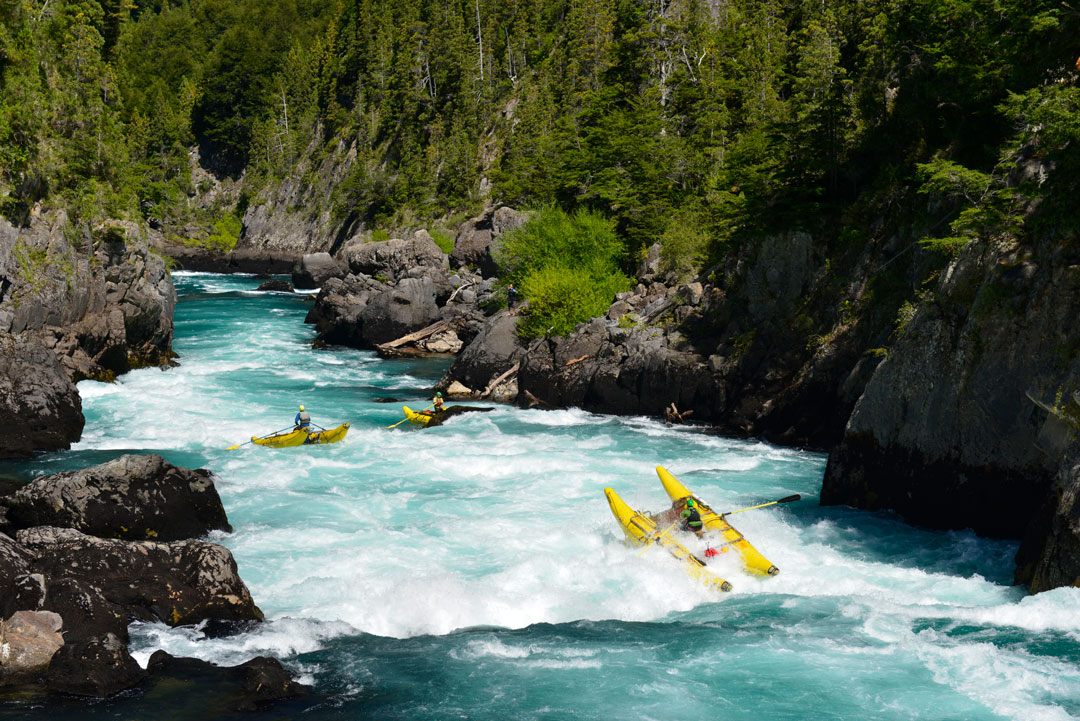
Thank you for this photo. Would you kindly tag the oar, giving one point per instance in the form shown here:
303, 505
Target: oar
233, 448
788, 499
656, 536
407, 418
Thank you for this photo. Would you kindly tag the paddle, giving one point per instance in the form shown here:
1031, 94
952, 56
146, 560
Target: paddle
788, 499
233, 448
407, 418
656, 536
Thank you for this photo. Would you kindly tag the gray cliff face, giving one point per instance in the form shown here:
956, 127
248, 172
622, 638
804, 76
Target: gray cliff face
294, 217
99, 305
971, 420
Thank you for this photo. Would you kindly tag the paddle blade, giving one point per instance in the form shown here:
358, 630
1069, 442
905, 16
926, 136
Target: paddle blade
789, 499
233, 448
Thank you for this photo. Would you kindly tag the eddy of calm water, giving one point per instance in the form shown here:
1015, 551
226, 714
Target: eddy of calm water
475, 571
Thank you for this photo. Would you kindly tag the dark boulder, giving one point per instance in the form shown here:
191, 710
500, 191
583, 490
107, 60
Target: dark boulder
249, 686
14, 565
314, 269
178, 583
407, 307
276, 285
95, 667
39, 405
133, 497
477, 241
493, 351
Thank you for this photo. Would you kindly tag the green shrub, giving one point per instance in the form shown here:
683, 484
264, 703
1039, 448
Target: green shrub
561, 297
565, 265
584, 240
444, 240
226, 233
684, 244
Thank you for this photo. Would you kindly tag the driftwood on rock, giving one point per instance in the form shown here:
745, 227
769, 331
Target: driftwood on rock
534, 401
495, 383
418, 335
673, 415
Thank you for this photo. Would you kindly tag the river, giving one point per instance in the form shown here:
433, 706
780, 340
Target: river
475, 571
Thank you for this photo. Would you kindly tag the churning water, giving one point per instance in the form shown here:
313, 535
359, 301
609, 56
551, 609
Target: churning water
474, 570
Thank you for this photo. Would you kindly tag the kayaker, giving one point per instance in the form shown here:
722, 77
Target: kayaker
437, 402
302, 420
691, 519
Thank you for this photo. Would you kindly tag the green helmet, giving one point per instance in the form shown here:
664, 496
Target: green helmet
438, 395
689, 502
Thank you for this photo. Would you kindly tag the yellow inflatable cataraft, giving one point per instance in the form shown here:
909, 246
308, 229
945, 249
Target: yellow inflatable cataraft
289, 439
417, 418
712, 521
642, 530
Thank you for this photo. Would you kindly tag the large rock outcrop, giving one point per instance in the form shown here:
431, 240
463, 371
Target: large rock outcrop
956, 428
398, 287
91, 584
88, 588
101, 302
133, 497
39, 405
477, 241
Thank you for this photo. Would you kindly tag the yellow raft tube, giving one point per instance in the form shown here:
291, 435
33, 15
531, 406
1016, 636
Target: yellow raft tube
642, 530
712, 521
301, 438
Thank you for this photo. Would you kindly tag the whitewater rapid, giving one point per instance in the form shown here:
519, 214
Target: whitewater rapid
487, 545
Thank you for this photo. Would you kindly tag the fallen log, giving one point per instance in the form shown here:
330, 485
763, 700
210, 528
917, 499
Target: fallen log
495, 383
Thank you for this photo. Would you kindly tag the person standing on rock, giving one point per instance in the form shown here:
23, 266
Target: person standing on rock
511, 298
302, 420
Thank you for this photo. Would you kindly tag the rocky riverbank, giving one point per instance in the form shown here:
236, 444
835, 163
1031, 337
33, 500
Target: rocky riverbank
85, 553
74, 304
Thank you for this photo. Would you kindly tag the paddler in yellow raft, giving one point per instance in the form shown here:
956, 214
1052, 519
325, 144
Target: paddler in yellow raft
693, 515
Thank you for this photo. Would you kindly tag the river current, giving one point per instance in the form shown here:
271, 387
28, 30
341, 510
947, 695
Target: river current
474, 570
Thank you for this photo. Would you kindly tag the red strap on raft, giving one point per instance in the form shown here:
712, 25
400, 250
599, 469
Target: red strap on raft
709, 552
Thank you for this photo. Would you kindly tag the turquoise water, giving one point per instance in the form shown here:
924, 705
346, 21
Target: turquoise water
474, 570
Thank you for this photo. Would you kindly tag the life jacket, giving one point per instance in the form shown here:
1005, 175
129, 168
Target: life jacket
304, 417
692, 519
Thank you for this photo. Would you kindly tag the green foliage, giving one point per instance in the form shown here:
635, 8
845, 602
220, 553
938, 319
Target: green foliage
224, 236
684, 244
585, 240
560, 297
566, 267
444, 240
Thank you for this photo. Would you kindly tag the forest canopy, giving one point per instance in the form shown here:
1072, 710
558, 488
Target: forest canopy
734, 116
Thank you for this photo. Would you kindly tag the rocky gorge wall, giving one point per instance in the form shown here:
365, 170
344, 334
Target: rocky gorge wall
971, 420
74, 305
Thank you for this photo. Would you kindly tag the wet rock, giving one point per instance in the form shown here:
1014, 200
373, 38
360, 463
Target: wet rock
178, 583
407, 307
133, 497
28, 640
97, 667
39, 405
277, 285
314, 269
249, 686
494, 350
